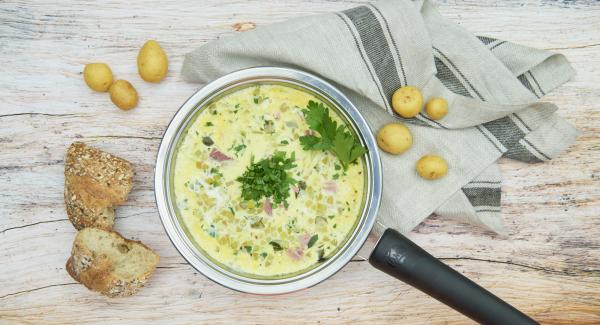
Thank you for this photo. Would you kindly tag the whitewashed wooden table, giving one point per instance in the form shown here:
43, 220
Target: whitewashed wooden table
549, 266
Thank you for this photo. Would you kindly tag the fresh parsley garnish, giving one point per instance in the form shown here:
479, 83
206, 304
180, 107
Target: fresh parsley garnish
333, 138
268, 178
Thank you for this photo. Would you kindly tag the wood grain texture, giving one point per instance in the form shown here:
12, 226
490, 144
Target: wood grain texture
548, 265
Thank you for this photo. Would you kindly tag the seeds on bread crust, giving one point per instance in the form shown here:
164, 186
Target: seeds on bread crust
95, 182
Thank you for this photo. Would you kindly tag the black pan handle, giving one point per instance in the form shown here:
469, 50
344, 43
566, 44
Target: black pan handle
399, 257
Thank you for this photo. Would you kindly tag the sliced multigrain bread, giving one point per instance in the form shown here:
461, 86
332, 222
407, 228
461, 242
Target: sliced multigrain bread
95, 182
104, 261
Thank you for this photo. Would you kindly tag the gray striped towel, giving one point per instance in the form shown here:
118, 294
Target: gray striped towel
368, 52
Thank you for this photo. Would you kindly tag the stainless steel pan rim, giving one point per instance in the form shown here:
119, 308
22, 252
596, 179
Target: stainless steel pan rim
185, 245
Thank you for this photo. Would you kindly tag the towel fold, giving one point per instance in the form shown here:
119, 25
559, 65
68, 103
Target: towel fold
368, 52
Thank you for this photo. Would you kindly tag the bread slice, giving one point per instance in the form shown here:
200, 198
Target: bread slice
95, 182
106, 262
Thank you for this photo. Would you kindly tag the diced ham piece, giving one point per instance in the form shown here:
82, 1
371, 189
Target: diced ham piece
296, 189
303, 239
295, 253
268, 207
277, 115
218, 156
330, 186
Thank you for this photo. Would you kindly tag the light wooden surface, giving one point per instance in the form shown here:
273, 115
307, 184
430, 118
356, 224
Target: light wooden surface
548, 266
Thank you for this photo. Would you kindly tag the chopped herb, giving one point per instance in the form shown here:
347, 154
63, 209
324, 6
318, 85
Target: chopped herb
207, 141
232, 210
259, 99
337, 167
312, 241
268, 178
334, 225
336, 176
302, 185
276, 246
263, 254
269, 126
209, 124
248, 249
212, 231
331, 217
284, 142
334, 138
237, 105
292, 225
320, 256
239, 148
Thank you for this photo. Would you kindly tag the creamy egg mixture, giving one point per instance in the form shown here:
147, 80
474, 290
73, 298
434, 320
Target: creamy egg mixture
263, 238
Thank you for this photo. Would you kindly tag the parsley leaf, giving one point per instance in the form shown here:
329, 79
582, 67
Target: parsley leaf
268, 178
333, 138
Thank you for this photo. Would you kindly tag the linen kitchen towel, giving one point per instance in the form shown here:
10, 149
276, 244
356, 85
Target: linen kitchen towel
368, 52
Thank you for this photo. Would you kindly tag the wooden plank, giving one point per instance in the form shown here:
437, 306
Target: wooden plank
181, 296
548, 265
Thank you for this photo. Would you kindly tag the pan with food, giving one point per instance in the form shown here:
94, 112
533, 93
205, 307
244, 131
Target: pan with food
268, 181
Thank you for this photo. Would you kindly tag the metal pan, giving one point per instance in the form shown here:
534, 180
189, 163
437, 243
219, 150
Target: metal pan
391, 252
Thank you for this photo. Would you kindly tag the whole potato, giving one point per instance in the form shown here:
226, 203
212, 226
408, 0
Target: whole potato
123, 95
436, 108
394, 138
152, 62
98, 76
432, 167
407, 101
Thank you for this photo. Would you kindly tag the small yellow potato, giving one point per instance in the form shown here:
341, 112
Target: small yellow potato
432, 167
98, 76
436, 108
407, 101
152, 62
123, 95
394, 138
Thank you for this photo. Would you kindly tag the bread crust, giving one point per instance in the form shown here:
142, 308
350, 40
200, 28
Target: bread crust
96, 272
95, 182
